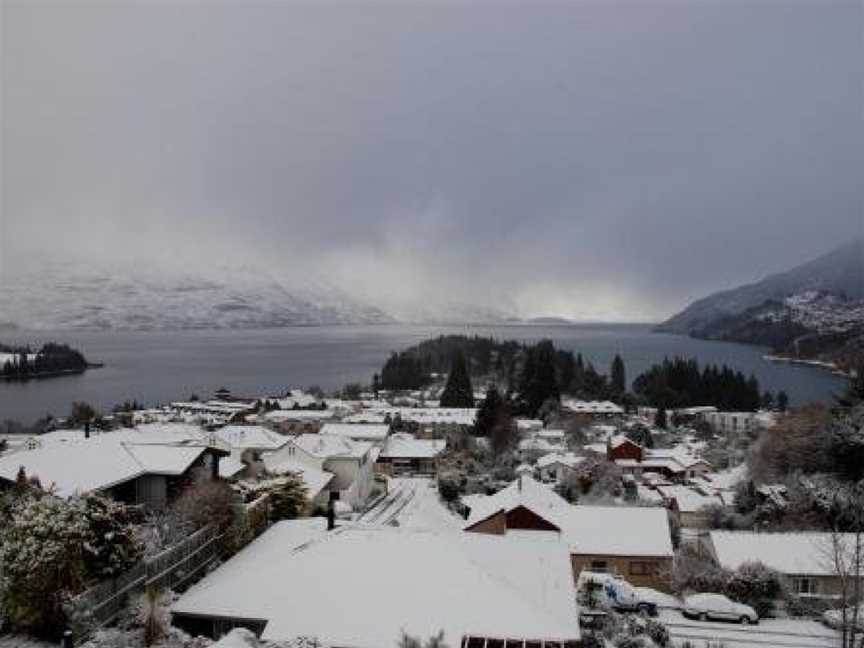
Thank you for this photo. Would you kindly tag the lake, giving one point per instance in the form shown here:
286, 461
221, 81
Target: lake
158, 367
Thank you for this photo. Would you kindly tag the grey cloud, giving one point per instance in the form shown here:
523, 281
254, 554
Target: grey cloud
614, 158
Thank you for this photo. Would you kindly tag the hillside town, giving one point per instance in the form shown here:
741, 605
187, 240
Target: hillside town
448, 515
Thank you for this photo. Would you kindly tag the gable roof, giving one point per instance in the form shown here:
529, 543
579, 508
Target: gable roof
367, 431
406, 446
99, 462
328, 446
472, 585
568, 459
604, 530
243, 437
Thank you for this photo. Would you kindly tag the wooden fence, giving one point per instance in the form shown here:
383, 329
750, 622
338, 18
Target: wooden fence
173, 568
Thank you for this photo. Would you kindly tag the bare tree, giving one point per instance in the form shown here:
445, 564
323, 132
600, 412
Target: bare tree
844, 556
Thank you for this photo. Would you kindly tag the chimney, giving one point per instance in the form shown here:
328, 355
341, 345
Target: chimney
87, 429
331, 516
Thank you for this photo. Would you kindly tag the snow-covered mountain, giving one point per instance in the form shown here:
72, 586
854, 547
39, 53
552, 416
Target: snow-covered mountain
64, 296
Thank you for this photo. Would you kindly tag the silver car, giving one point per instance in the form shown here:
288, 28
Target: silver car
716, 607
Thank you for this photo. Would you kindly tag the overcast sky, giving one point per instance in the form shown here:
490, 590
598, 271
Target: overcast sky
593, 160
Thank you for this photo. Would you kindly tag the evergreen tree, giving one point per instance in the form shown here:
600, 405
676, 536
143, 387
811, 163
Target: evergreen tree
660, 418
782, 401
618, 376
538, 381
458, 391
487, 413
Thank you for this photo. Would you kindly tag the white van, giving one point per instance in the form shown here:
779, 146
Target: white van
601, 590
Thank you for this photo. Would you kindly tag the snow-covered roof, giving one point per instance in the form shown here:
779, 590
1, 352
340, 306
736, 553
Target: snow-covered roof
591, 407
568, 459
326, 446
369, 417
551, 434
602, 530
362, 587
279, 416
367, 432
802, 554
407, 446
255, 437
536, 444
99, 462
433, 415
686, 499
528, 424
620, 439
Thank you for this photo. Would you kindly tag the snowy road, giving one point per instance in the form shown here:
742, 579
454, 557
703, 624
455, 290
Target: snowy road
412, 503
776, 633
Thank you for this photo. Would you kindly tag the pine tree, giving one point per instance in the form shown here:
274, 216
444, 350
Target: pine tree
487, 413
660, 418
782, 401
458, 391
618, 376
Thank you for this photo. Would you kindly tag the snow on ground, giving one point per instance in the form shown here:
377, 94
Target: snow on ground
412, 503
769, 633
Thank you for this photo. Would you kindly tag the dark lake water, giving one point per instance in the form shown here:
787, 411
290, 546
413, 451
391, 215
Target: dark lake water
157, 367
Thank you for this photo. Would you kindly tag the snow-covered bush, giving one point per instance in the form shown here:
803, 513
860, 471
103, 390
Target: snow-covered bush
111, 544
42, 561
757, 586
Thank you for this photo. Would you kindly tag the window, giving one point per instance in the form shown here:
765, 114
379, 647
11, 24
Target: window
805, 586
641, 568
599, 566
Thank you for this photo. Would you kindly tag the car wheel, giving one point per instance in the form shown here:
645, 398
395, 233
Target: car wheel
644, 610
703, 616
745, 620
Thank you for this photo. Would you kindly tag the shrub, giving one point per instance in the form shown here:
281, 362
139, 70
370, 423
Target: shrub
111, 545
42, 564
153, 615
449, 487
204, 502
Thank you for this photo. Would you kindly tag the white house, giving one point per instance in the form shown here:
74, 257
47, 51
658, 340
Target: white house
362, 587
404, 454
349, 461
557, 466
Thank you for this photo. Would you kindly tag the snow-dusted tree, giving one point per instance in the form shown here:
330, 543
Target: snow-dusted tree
111, 544
435, 641
288, 499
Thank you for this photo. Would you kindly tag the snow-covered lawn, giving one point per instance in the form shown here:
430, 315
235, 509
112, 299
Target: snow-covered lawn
770, 633
413, 503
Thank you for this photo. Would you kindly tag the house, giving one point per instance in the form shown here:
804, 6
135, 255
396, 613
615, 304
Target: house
534, 447
127, 465
805, 559
593, 409
622, 447
634, 542
361, 587
688, 506
358, 431
404, 454
295, 421
433, 420
558, 466
676, 464
731, 422
350, 462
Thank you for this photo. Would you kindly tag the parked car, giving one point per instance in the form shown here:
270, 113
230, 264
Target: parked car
834, 619
716, 607
601, 590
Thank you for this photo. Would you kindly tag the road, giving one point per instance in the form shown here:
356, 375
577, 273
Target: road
412, 503
769, 633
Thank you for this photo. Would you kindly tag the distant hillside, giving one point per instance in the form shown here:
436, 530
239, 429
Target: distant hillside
841, 272
813, 312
